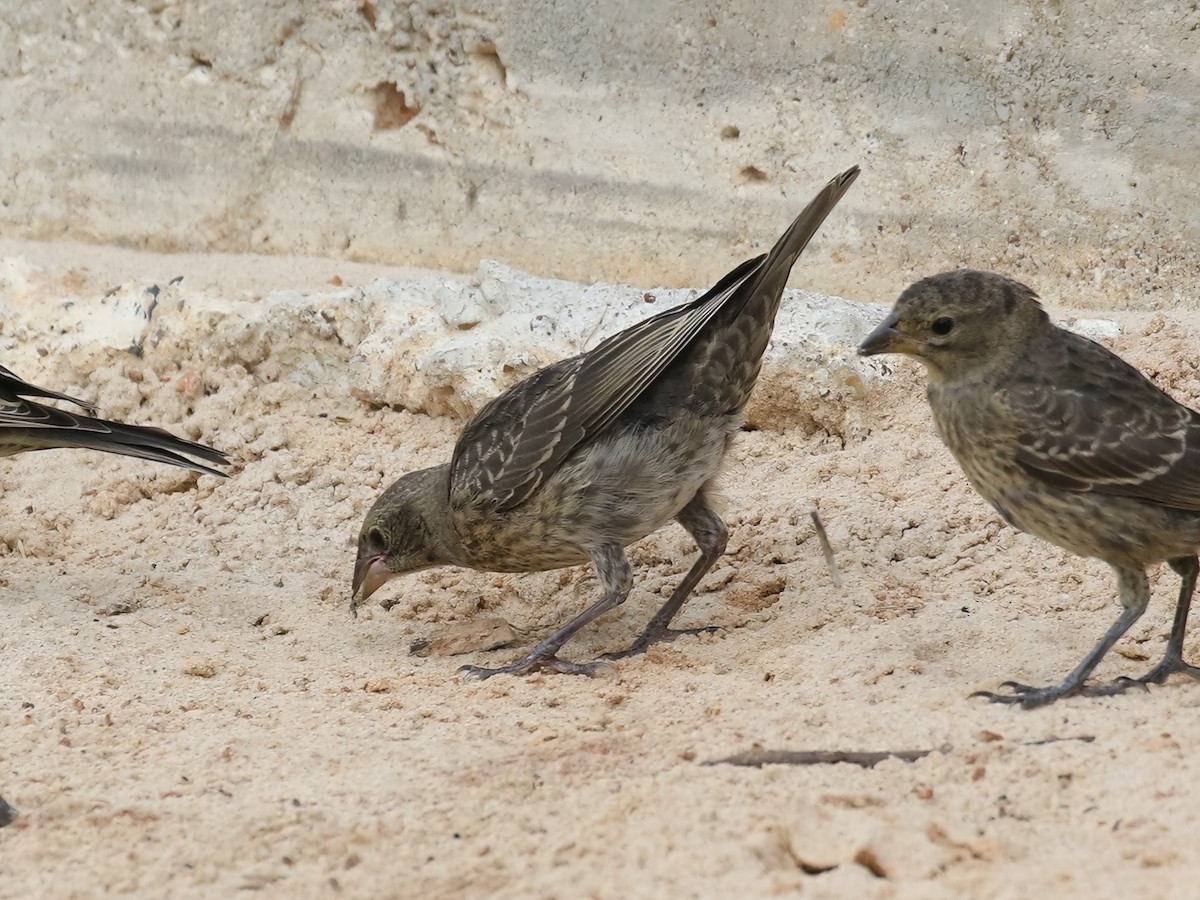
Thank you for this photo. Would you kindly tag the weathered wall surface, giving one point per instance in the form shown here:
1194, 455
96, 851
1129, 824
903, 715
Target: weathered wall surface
654, 143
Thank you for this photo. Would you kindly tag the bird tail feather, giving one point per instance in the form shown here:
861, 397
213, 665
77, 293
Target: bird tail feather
141, 441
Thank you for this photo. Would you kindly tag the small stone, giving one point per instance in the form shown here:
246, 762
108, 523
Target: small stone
869, 860
200, 666
189, 385
485, 633
1137, 654
543, 326
1094, 329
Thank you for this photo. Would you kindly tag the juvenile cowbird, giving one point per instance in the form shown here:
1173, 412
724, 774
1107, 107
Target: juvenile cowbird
592, 453
1066, 440
27, 425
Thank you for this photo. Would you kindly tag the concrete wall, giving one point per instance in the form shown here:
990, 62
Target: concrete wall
656, 142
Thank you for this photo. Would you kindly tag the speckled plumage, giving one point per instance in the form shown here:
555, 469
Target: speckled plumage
592, 453
1066, 440
27, 425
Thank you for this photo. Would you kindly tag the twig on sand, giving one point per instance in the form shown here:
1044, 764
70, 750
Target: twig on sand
1085, 738
826, 549
865, 758
868, 759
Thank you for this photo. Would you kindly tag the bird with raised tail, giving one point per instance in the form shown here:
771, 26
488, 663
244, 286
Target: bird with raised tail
1065, 439
592, 453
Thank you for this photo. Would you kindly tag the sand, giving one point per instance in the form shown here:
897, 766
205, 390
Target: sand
187, 708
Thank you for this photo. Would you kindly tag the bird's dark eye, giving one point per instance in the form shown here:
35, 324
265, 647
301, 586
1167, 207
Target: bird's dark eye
375, 540
942, 325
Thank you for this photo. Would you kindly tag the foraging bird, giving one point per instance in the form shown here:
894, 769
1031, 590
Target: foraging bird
1065, 439
28, 425
592, 453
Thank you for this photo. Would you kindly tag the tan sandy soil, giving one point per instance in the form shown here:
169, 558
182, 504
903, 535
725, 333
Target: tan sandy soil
187, 709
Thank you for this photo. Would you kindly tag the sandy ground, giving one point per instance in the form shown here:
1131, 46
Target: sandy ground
187, 709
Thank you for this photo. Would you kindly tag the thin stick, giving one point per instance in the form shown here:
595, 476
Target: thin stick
865, 758
1085, 738
826, 549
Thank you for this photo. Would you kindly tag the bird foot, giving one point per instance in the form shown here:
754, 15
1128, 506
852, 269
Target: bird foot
1171, 664
527, 665
656, 634
1029, 697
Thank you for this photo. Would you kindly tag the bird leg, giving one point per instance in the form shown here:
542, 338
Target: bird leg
711, 535
1187, 567
1135, 595
616, 577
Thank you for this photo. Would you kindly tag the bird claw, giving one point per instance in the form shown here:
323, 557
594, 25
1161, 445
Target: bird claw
1158, 675
654, 635
1170, 665
1030, 697
1117, 686
1027, 696
1018, 688
529, 664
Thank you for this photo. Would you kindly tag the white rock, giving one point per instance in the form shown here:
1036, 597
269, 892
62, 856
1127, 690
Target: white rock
1095, 329
416, 356
434, 345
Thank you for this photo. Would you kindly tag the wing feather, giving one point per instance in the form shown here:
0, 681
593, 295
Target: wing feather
512, 445
1092, 422
515, 442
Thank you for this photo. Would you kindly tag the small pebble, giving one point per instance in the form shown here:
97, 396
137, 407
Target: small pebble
484, 633
200, 666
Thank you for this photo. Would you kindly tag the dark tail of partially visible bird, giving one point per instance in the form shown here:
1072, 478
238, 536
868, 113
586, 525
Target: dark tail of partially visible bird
141, 441
26, 425
766, 285
13, 386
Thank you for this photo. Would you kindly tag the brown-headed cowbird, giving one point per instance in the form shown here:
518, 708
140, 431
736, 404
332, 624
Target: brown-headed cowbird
592, 453
1065, 439
27, 425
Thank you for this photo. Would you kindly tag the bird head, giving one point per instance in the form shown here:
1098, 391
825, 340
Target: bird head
401, 531
959, 322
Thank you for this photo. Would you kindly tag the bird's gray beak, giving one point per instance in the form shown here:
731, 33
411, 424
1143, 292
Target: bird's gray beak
887, 339
370, 574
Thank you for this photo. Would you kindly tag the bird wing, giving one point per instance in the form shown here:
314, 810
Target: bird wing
515, 442
1089, 421
518, 440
